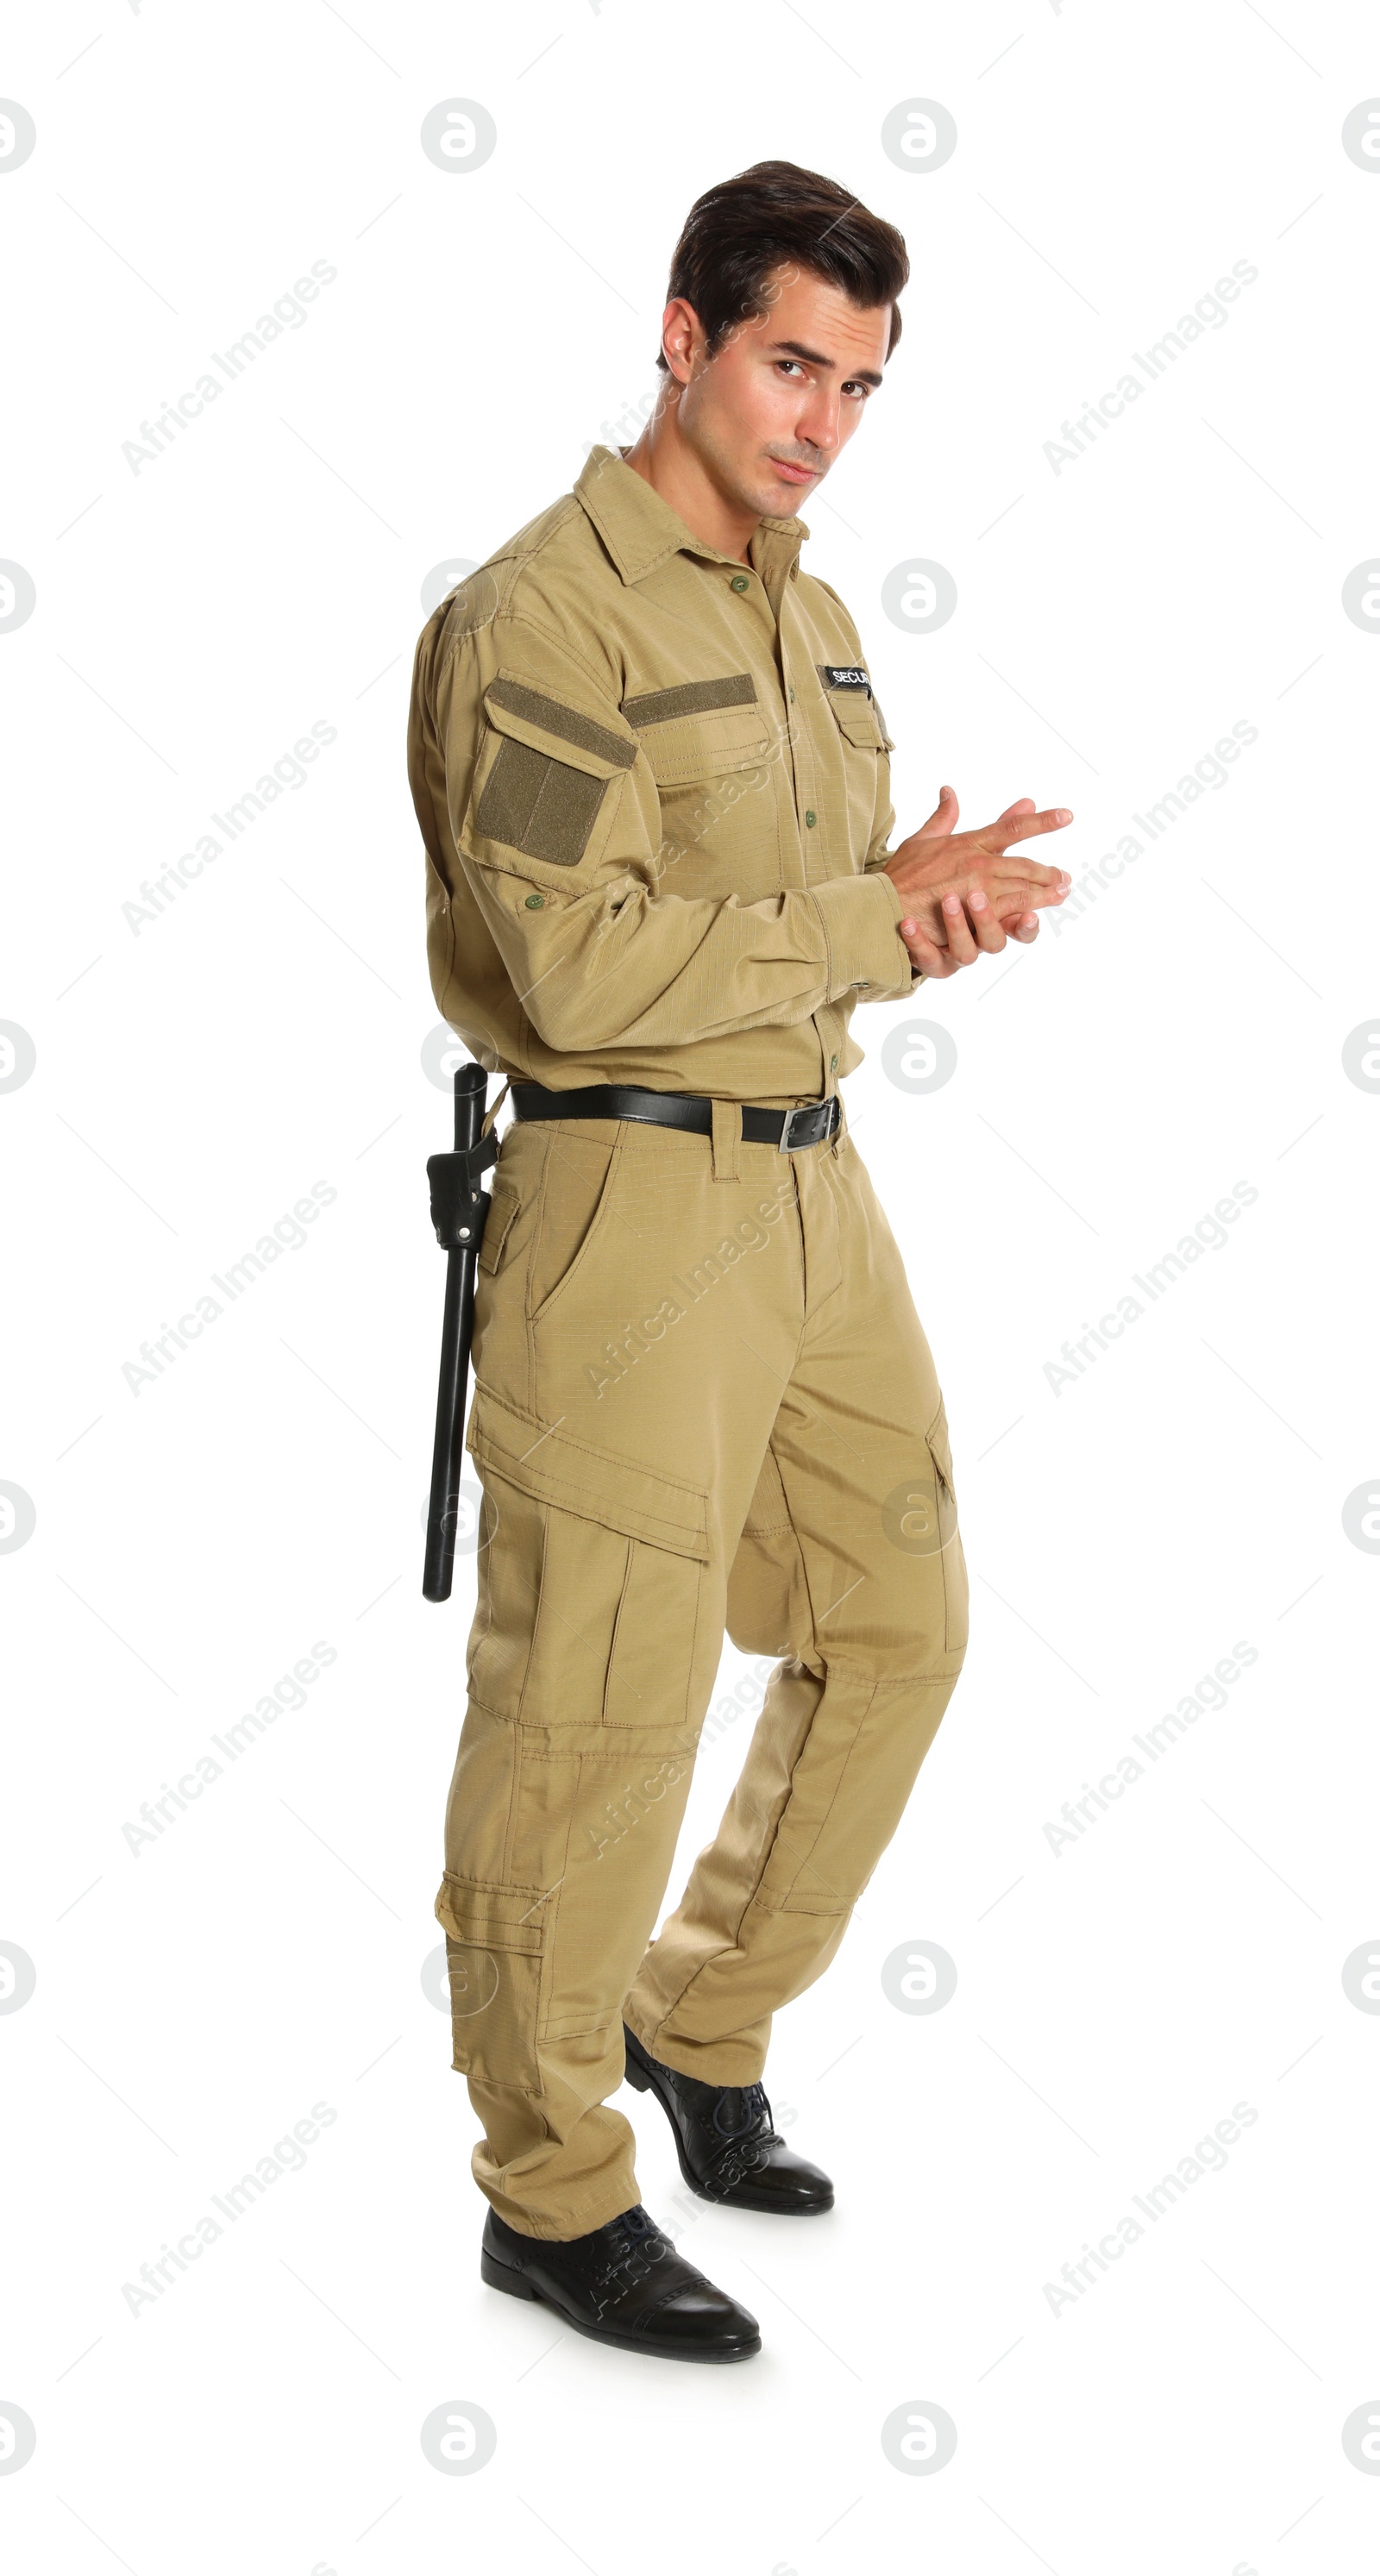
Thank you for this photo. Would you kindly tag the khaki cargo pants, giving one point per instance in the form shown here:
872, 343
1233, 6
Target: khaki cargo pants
703, 1399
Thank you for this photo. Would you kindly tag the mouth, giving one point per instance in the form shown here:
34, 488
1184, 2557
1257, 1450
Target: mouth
794, 473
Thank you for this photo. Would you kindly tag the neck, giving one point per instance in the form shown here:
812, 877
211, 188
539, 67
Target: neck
665, 458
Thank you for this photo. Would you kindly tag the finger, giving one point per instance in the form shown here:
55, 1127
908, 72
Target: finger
1014, 885
1024, 895
1054, 819
962, 945
942, 820
1023, 926
1008, 881
1023, 805
987, 929
972, 864
931, 961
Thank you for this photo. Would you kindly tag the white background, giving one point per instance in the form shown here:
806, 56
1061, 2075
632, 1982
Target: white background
196, 1075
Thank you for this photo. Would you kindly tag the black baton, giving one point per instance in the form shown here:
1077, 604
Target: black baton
458, 1211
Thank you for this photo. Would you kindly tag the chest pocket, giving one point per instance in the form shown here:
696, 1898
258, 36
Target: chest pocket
703, 729
856, 713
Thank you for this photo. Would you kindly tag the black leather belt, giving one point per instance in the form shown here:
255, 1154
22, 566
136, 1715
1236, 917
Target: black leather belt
787, 1129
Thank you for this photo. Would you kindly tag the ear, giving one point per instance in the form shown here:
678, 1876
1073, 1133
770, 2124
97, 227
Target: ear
682, 339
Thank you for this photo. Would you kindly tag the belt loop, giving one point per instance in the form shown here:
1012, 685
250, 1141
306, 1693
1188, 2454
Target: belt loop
726, 1128
493, 1113
840, 1131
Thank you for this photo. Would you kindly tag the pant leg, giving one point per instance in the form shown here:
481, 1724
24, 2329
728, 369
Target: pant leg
636, 1315
850, 1568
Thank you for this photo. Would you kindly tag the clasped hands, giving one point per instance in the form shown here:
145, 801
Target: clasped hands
963, 894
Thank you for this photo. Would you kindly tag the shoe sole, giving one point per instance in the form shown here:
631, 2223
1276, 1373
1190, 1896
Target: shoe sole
641, 2082
500, 2276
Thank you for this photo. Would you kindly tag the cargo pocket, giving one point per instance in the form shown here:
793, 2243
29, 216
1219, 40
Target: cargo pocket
594, 1581
950, 1544
495, 1938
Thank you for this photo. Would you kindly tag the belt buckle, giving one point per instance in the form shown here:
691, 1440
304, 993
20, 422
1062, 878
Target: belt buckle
805, 1109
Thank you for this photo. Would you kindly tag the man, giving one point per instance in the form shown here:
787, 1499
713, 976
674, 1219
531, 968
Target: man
652, 778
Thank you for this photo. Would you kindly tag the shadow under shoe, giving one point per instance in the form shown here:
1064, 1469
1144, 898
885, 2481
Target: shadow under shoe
729, 2151
622, 2284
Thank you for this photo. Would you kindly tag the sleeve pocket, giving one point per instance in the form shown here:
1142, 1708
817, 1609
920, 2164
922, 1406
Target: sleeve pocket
546, 779
537, 805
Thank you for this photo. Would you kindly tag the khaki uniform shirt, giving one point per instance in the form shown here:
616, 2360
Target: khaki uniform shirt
653, 784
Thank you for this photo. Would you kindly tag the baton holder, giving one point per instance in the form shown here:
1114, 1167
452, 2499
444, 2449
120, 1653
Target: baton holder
459, 1211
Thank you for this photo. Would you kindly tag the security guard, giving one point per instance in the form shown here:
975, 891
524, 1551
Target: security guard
652, 778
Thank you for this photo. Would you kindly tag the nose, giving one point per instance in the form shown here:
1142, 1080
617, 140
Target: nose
817, 422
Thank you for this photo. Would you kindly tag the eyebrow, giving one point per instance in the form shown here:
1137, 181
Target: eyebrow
816, 358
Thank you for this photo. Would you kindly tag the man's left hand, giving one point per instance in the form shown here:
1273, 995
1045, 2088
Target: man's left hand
976, 930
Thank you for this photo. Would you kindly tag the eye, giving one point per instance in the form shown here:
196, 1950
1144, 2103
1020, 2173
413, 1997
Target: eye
788, 365
860, 392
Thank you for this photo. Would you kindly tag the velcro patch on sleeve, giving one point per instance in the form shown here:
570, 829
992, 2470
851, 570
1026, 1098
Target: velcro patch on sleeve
538, 805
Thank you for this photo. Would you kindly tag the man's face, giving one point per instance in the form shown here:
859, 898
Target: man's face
779, 401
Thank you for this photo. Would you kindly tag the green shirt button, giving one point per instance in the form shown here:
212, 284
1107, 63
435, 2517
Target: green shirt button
810, 818
792, 697
739, 581
535, 902
833, 1064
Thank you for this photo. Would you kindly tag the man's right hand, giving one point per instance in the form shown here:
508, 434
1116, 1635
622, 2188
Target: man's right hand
937, 862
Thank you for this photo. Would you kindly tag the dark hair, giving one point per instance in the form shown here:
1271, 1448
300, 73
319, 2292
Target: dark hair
773, 216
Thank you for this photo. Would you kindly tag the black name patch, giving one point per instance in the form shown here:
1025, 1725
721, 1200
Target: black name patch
844, 675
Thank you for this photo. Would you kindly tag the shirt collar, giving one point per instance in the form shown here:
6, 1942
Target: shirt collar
641, 531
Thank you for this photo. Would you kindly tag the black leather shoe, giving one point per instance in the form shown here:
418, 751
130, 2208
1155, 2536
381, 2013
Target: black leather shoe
729, 2151
622, 2284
